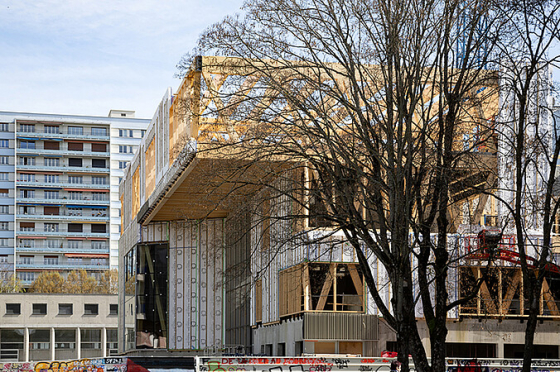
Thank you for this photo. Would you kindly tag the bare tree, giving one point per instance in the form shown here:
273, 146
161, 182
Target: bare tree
529, 146
363, 107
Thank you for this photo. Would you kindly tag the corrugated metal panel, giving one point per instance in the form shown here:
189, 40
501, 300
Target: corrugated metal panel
339, 326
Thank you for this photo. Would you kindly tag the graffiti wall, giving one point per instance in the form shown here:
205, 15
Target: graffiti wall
81, 365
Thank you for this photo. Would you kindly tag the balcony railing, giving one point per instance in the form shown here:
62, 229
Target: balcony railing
62, 152
64, 250
63, 217
63, 233
64, 265
62, 184
45, 168
84, 201
47, 136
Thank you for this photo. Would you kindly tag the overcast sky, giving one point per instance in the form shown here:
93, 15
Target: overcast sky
86, 57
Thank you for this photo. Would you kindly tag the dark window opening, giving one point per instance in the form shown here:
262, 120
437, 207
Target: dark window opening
99, 229
98, 163
39, 309
98, 147
539, 351
75, 146
51, 211
51, 145
470, 350
91, 309
74, 162
65, 309
75, 227
113, 309
13, 309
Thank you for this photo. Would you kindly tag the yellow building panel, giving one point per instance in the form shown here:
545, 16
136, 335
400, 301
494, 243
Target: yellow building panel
135, 192
150, 157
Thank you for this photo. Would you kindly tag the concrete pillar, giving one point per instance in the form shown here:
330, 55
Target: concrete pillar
26, 345
78, 344
104, 342
53, 349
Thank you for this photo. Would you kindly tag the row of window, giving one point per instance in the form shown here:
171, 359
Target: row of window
57, 243
56, 162
63, 309
75, 227
55, 178
72, 195
54, 129
54, 260
71, 211
55, 145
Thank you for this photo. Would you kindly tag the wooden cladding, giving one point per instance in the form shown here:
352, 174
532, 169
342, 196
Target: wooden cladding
308, 287
135, 192
258, 301
150, 168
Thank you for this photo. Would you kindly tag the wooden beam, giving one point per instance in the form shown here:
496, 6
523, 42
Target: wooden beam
326, 287
307, 304
512, 288
356, 280
550, 303
486, 296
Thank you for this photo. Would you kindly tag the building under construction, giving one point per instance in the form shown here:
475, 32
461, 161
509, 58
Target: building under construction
211, 262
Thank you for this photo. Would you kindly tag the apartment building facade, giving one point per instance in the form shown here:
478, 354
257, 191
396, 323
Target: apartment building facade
60, 208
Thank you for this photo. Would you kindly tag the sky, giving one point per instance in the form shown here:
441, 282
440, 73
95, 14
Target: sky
86, 57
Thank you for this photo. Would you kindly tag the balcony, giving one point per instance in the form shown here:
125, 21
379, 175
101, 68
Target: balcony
48, 136
85, 201
62, 152
63, 233
41, 249
62, 184
64, 266
64, 217
87, 169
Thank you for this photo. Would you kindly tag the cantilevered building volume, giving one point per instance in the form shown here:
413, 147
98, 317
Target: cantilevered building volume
59, 179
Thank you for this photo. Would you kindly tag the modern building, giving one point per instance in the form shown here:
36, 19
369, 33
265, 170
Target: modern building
59, 206
39, 327
203, 267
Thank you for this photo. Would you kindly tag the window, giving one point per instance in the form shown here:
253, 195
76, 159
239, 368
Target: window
4, 226
50, 260
75, 260
98, 163
122, 164
51, 211
53, 243
125, 133
99, 244
13, 309
4, 127
4, 242
125, 149
75, 162
75, 146
4, 176
74, 211
52, 178
90, 338
51, 145
27, 160
97, 180
75, 244
26, 209
52, 162
4, 193
25, 144
54, 129
27, 243
76, 179
98, 229
76, 195
51, 194
51, 227
76, 130
28, 128
26, 276
27, 194
26, 260
6, 143
4, 209
27, 226
75, 227
142, 133
98, 147
99, 196
39, 309
91, 309
5, 160
65, 309
4, 258
26, 177
99, 131
113, 309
